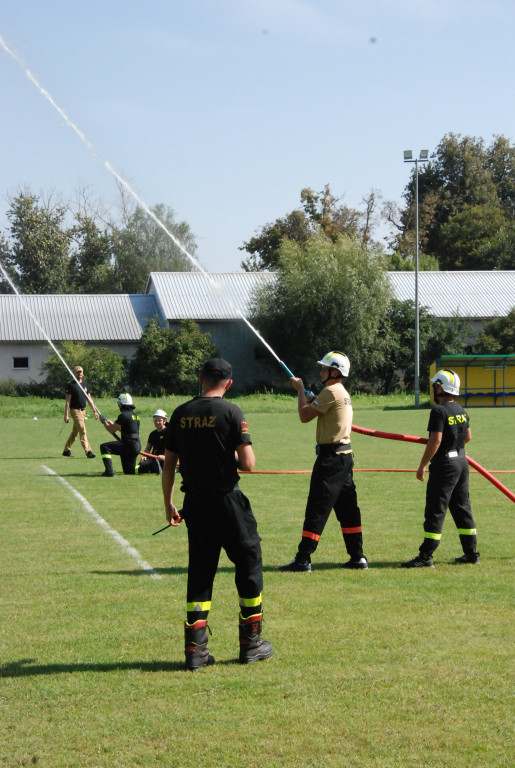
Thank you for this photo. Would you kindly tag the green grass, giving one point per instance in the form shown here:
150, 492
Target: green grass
386, 668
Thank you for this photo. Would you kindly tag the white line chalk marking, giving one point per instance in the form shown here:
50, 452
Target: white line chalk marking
105, 525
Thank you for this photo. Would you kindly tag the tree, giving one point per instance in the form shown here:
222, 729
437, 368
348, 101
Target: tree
498, 336
4, 253
56, 248
321, 213
437, 336
90, 267
466, 206
37, 260
168, 361
105, 371
328, 295
142, 246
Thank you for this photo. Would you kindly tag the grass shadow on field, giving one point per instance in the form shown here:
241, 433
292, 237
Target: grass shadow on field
316, 566
170, 571
423, 407
27, 667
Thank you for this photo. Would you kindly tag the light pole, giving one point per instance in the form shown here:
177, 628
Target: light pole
422, 158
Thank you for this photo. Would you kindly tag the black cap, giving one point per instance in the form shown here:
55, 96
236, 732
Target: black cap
217, 368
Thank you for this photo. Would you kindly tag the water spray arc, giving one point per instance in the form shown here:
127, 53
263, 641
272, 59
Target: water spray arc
131, 191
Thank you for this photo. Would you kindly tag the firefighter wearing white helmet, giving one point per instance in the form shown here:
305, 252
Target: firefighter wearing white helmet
332, 484
336, 360
156, 446
448, 484
128, 446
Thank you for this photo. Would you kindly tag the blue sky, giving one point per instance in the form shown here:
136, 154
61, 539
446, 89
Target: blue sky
225, 109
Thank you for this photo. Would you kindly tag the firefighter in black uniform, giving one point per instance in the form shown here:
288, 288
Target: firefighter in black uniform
332, 485
156, 446
448, 484
210, 438
128, 446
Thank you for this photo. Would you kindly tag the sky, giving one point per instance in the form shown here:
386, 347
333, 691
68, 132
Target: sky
224, 110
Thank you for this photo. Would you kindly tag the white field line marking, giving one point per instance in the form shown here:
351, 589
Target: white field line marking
105, 525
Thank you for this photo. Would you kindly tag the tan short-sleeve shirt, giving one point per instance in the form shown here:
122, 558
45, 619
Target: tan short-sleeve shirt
335, 420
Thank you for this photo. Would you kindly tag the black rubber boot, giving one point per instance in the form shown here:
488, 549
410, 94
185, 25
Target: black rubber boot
195, 645
108, 464
252, 645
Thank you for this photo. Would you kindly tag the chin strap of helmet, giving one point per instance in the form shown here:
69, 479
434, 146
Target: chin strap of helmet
324, 381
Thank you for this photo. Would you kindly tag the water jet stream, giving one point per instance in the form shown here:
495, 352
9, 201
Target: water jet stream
131, 191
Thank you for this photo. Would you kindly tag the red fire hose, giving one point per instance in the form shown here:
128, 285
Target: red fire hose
414, 439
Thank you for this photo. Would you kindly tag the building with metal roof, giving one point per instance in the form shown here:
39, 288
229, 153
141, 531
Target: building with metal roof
479, 295
28, 321
220, 303
223, 295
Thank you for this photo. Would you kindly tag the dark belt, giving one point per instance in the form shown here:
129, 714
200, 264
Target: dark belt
328, 449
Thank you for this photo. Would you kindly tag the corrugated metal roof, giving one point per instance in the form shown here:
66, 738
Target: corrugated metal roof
76, 317
466, 294
213, 296
222, 296
206, 296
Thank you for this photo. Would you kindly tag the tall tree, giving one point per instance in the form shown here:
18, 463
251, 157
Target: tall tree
321, 212
91, 268
466, 206
142, 246
37, 259
328, 295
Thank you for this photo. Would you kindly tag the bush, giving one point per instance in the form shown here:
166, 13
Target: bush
12, 388
104, 370
167, 361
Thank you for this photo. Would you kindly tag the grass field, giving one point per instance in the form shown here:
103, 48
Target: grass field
387, 668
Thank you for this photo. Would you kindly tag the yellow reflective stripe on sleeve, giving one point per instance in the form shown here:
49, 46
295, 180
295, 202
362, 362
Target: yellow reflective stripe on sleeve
192, 607
105, 455
467, 531
436, 536
250, 602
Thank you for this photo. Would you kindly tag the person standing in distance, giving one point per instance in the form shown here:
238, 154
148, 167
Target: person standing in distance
210, 438
332, 484
155, 445
128, 446
448, 484
75, 406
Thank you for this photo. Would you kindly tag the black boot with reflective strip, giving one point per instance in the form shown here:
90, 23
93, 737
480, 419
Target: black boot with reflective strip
252, 645
195, 645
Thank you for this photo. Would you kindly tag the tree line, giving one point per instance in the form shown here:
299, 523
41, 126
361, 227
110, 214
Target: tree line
52, 247
466, 214
332, 287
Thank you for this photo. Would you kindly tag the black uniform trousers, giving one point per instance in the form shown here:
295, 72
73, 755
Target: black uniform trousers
448, 488
215, 521
127, 450
152, 466
332, 487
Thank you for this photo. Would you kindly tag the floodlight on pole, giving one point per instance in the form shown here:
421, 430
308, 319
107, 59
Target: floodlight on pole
422, 158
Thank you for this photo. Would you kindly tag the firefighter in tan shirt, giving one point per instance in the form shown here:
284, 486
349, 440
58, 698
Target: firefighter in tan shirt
332, 485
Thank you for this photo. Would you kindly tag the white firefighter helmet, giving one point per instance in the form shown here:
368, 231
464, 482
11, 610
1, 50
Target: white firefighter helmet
448, 380
336, 360
160, 414
125, 399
